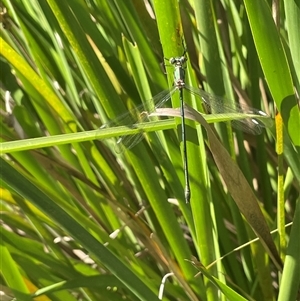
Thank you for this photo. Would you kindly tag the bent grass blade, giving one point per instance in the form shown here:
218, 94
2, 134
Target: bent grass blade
244, 118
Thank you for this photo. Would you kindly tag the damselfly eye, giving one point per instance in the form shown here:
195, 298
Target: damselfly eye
182, 60
172, 60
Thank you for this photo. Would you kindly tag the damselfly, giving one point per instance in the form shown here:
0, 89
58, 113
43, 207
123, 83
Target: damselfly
253, 120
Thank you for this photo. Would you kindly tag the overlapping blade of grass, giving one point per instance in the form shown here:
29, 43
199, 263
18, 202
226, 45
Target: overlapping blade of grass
79, 54
140, 166
77, 231
271, 54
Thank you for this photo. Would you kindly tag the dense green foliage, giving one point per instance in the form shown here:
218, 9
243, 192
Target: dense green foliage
81, 221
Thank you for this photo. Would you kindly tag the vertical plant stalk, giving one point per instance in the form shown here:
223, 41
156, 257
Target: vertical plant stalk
280, 186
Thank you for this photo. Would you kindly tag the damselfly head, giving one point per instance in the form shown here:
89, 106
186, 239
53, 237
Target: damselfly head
178, 61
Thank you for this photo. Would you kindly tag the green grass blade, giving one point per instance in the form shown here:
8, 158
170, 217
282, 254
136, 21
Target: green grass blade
271, 53
43, 202
290, 276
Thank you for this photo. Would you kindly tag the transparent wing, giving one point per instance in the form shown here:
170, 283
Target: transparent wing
253, 123
138, 115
